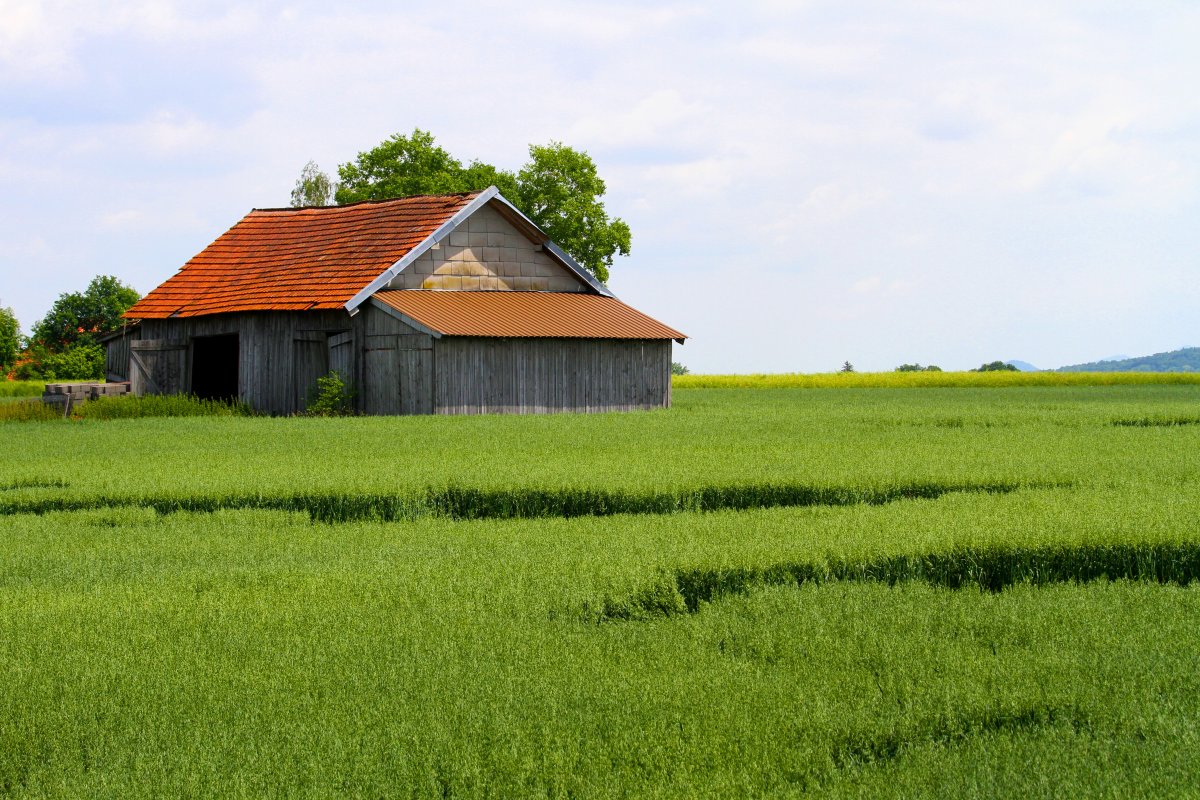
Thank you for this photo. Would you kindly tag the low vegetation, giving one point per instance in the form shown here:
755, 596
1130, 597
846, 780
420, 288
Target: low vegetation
122, 407
132, 407
20, 409
21, 388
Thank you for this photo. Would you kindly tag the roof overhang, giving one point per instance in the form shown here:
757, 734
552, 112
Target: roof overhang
517, 314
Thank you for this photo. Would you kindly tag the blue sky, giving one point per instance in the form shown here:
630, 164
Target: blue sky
807, 183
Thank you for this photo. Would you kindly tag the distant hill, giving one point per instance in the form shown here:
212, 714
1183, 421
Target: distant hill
1186, 359
1024, 366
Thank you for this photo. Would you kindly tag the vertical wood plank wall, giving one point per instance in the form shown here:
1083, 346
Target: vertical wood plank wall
280, 352
116, 356
396, 369
478, 375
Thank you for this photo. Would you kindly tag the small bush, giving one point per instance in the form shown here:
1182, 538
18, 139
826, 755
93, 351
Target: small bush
83, 362
331, 398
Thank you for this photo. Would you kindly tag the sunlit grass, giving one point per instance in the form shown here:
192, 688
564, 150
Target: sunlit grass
929, 592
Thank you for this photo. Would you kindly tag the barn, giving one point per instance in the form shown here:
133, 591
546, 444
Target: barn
448, 304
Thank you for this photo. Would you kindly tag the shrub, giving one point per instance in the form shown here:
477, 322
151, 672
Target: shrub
83, 362
331, 398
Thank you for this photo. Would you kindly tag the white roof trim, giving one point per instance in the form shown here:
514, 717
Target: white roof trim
483, 198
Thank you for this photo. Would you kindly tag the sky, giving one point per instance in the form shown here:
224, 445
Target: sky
808, 183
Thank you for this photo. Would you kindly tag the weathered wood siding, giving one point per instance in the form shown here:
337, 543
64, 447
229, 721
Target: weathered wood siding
281, 353
397, 366
116, 355
483, 375
157, 366
396, 369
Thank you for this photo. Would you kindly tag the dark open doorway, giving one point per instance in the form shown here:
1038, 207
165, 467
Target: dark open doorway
215, 367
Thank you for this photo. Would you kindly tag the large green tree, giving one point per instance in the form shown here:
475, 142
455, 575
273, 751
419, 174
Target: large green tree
10, 339
78, 317
558, 188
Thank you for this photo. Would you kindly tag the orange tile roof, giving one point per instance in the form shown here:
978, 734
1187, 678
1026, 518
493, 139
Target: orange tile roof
298, 259
526, 314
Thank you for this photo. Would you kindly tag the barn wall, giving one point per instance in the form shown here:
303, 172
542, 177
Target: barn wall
487, 253
397, 369
281, 353
397, 366
116, 355
478, 375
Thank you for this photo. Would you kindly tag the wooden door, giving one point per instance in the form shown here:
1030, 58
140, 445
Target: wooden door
310, 360
157, 366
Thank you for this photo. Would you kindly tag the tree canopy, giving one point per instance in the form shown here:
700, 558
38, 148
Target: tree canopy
10, 339
79, 317
313, 187
558, 188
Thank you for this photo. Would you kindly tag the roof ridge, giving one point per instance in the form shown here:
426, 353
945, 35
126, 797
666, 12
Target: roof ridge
372, 202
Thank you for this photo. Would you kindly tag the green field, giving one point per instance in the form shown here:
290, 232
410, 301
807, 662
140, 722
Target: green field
861, 593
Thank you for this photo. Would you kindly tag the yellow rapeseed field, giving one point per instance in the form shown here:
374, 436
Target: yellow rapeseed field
913, 380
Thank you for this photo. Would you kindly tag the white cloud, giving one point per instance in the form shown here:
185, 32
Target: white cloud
848, 177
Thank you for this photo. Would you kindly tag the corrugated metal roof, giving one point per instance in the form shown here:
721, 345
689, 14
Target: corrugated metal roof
299, 259
526, 314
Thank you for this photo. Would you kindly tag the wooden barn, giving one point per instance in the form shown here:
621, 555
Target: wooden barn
451, 304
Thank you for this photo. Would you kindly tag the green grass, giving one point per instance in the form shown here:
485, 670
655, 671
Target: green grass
1024, 625
21, 388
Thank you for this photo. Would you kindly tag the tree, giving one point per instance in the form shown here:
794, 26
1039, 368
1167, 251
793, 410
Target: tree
313, 187
917, 368
996, 366
406, 165
847, 367
678, 368
78, 318
559, 189
10, 339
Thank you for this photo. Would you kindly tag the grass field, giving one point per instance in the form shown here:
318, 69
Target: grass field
930, 592
9, 389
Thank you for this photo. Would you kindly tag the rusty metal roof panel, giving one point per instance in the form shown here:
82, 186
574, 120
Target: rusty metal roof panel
525, 314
